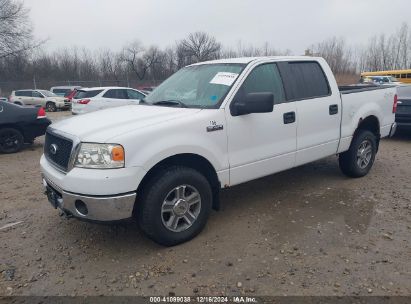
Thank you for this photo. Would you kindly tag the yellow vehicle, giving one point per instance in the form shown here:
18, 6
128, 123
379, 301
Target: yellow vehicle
401, 75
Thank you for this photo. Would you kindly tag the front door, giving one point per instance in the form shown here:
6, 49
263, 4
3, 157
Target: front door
38, 99
260, 144
134, 96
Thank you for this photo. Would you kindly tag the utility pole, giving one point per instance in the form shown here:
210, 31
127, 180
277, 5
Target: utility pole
34, 82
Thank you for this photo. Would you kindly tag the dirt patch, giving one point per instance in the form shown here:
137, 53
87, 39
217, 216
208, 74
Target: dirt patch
306, 231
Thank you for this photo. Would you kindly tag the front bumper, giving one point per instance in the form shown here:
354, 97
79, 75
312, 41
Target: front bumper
94, 208
64, 106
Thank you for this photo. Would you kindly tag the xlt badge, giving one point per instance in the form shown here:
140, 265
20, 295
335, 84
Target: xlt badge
215, 128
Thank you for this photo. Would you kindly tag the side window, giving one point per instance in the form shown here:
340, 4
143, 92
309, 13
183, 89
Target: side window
37, 94
110, 94
122, 94
304, 80
134, 95
23, 93
116, 94
264, 78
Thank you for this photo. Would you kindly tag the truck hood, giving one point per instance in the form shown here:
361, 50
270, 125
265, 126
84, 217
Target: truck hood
101, 126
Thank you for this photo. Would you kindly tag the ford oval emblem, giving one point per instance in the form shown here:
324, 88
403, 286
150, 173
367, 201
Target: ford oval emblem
53, 149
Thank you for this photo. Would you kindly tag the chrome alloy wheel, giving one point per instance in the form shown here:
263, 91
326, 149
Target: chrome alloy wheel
180, 208
364, 154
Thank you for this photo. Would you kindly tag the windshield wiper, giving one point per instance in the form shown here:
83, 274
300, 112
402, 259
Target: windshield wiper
170, 102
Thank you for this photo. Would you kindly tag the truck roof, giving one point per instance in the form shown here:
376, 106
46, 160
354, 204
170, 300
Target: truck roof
103, 88
246, 60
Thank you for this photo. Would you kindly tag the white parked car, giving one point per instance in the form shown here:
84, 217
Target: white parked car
165, 161
92, 99
43, 98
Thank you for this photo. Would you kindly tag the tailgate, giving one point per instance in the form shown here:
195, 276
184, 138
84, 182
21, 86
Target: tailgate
403, 114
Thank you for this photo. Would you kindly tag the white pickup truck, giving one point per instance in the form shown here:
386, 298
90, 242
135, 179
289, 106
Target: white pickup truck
211, 125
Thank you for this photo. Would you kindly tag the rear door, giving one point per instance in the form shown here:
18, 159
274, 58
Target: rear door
318, 114
23, 97
114, 98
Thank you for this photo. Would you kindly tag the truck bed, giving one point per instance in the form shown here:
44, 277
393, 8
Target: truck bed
356, 88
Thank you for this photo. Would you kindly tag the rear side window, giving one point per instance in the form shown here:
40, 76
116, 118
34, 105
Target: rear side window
304, 80
24, 93
87, 94
264, 78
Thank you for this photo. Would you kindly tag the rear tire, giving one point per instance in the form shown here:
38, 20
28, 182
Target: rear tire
18, 103
51, 107
11, 140
358, 160
175, 205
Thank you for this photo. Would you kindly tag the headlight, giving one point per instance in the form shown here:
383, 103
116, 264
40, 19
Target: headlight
100, 156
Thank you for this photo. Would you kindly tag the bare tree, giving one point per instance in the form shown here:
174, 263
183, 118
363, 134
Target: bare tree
138, 59
15, 29
111, 65
197, 47
337, 54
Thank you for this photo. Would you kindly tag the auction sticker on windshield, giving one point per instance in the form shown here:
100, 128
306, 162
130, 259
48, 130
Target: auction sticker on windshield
224, 78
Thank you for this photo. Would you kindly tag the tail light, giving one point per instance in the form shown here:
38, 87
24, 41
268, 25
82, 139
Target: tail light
41, 113
394, 106
84, 101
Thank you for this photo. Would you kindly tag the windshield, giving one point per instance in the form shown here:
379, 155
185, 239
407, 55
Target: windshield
47, 93
198, 86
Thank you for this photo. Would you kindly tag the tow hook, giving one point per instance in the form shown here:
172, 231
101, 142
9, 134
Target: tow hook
65, 214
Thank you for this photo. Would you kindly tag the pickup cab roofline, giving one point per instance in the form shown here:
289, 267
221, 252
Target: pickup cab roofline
247, 60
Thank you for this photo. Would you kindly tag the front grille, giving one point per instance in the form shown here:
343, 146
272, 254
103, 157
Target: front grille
58, 150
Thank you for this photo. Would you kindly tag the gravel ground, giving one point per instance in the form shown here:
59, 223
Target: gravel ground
306, 231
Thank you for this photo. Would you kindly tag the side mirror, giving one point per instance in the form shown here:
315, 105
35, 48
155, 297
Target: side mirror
253, 103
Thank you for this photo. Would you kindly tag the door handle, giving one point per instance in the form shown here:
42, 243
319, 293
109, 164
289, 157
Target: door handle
289, 117
333, 109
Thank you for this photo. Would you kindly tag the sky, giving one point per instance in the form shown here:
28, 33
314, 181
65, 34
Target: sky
286, 24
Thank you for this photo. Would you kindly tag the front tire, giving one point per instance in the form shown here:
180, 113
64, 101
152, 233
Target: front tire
358, 160
11, 140
51, 107
175, 205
